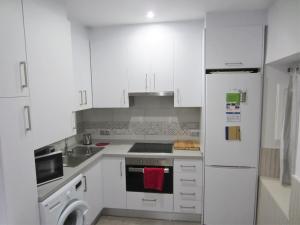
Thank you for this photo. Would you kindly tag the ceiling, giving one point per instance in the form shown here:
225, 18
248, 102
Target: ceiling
111, 12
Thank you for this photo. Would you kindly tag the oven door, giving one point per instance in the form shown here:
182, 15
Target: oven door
49, 167
135, 179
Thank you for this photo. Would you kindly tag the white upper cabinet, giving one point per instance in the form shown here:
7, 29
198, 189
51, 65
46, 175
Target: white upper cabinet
234, 47
13, 80
49, 54
81, 67
283, 31
109, 68
188, 72
150, 54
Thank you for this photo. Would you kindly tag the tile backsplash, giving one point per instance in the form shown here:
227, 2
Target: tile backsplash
148, 118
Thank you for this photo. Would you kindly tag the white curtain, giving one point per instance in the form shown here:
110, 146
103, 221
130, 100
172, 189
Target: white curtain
289, 137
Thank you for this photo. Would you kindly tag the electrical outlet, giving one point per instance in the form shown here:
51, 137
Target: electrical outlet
104, 132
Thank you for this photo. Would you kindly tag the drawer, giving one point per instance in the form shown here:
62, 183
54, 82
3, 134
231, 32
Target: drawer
150, 201
188, 166
194, 207
187, 181
188, 194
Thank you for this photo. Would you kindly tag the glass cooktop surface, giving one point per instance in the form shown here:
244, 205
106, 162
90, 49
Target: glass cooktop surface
151, 148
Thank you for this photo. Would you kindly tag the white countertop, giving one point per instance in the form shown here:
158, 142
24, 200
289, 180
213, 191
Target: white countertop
117, 149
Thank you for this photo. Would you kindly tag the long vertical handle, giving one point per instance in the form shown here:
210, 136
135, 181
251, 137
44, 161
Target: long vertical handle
124, 98
27, 112
85, 184
81, 99
146, 81
74, 120
121, 171
85, 97
178, 92
23, 74
154, 80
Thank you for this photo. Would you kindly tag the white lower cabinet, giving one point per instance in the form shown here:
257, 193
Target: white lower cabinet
114, 182
150, 201
93, 193
188, 186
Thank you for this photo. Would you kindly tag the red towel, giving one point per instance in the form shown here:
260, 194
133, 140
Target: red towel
154, 178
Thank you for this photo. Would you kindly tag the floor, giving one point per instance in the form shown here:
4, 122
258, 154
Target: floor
112, 220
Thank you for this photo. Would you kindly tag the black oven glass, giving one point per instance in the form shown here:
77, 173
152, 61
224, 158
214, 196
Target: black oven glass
48, 167
135, 180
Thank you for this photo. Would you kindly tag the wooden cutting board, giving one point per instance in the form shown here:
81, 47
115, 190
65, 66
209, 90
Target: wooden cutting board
187, 145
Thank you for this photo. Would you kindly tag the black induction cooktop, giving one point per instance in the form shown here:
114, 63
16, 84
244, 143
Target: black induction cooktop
151, 148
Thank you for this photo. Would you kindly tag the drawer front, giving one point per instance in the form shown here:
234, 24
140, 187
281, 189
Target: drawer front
188, 194
181, 206
187, 181
150, 201
188, 166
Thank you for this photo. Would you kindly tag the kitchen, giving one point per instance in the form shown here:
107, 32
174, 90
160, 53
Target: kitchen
131, 112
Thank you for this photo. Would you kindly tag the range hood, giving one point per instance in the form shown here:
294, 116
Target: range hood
162, 93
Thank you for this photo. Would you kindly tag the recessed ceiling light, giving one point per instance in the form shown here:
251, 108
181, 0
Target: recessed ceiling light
150, 15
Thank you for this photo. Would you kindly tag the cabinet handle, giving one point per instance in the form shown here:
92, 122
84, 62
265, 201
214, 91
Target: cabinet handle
149, 200
190, 194
188, 207
85, 184
85, 98
81, 99
146, 81
124, 99
154, 76
183, 166
74, 120
27, 114
121, 172
178, 101
233, 63
188, 180
23, 74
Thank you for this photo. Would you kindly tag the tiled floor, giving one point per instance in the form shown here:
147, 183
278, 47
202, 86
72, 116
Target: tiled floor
111, 220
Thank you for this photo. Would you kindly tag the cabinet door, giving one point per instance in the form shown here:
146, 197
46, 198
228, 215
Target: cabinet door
162, 54
234, 47
93, 194
49, 53
81, 67
139, 59
18, 187
114, 186
188, 57
13, 80
109, 65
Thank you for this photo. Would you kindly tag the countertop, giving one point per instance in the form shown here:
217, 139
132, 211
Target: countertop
115, 148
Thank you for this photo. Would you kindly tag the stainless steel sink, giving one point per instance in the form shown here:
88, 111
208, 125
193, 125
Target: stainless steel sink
79, 154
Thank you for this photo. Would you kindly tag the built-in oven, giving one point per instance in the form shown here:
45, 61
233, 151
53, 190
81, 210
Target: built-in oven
48, 165
135, 174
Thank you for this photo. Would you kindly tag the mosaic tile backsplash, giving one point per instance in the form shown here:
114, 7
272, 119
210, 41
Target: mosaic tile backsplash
149, 118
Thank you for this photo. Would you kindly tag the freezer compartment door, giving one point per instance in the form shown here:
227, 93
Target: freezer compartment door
230, 195
243, 152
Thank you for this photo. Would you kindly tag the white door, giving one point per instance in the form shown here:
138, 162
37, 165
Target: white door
162, 59
230, 195
139, 59
81, 67
13, 80
93, 194
234, 47
49, 52
110, 65
188, 74
114, 185
18, 187
220, 151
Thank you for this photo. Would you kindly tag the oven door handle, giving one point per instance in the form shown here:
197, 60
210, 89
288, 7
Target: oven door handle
141, 170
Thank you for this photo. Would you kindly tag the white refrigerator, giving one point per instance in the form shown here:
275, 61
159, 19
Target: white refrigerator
233, 124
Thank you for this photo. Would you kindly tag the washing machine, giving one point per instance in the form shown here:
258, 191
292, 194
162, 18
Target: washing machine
66, 206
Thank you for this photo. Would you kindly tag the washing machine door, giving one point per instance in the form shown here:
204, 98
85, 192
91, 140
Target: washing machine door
73, 214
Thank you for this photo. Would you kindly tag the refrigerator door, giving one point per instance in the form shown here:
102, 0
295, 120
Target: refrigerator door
243, 152
230, 195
